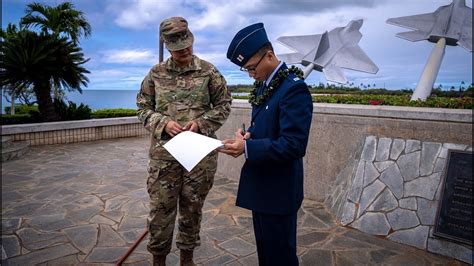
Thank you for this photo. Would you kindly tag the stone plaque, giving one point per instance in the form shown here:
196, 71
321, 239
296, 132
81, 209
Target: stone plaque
454, 220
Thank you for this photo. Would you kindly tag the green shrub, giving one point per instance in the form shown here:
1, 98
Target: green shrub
19, 119
72, 111
22, 109
108, 113
397, 100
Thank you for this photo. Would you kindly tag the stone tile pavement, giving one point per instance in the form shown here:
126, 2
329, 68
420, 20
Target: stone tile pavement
86, 204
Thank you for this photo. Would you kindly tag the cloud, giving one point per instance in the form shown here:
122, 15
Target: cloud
132, 56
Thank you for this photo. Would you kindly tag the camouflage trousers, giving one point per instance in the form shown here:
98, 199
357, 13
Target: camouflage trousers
169, 186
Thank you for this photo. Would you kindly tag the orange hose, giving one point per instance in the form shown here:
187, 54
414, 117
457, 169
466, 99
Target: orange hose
131, 249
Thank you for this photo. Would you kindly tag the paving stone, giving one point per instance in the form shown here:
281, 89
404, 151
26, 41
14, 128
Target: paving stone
322, 214
113, 215
451, 249
424, 187
409, 165
381, 166
99, 219
386, 201
244, 222
14, 179
311, 238
381, 255
220, 220
83, 237
207, 250
408, 203
135, 208
345, 243
49, 222
132, 223
43, 255
10, 225
33, 239
108, 237
352, 257
348, 213
115, 203
222, 234
11, 196
451, 146
393, 179
10, 245
357, 183
383, 149
106, 254
370, 147
313, 222
63, 261
439, 165
429, 152
369, 194
90, 161
398, 145
412, 145
402, 219
238, 247
372, 223
22, 211
427, 211
416, 237
323, 257
251, 260
370, 173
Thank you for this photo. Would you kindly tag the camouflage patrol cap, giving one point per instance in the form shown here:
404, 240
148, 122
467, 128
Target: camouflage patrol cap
175, 33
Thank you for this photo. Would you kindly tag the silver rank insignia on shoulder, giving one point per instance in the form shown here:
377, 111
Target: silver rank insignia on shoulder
266, 108
296, 79
240, 58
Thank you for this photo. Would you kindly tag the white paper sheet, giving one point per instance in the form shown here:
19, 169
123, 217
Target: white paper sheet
189, 148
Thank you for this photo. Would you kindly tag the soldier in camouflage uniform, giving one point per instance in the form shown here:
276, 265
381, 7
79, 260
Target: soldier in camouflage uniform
182, 93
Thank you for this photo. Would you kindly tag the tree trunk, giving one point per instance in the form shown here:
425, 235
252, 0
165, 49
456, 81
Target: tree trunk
12, 109
45, 102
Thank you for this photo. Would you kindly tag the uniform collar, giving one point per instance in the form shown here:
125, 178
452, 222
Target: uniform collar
194, 66
267, 81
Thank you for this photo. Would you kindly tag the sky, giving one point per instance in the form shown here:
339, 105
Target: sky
124, 41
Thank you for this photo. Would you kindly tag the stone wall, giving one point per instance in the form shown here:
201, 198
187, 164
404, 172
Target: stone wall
392, 189
75, 131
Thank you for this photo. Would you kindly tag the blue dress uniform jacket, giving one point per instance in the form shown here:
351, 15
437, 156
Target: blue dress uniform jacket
272, 177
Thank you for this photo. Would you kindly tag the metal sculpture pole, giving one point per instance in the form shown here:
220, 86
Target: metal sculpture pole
448, 25
428, 78
329, 52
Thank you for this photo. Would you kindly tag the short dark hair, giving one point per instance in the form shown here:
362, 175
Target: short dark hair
265, 48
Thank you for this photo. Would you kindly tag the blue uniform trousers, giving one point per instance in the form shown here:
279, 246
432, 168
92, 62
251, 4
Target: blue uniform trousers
276, 239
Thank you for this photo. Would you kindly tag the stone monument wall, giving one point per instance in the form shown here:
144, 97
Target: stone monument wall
391, 188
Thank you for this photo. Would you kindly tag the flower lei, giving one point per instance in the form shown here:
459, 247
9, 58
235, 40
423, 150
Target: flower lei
276, 81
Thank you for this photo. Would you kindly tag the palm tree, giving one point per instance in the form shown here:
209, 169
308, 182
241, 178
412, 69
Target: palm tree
60, 20
29, 59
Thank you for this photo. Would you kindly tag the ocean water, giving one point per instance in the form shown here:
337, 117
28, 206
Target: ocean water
99, 99
103, 99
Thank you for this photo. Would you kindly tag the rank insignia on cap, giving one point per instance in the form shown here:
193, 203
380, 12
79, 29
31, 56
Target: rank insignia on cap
240, 58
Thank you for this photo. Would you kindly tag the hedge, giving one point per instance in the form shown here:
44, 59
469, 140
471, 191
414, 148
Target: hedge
108, 113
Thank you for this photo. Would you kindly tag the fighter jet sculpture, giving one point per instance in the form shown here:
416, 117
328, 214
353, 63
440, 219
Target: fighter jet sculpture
448, 25
329, 52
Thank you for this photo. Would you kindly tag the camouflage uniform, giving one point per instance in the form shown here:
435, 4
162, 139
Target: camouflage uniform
197, 92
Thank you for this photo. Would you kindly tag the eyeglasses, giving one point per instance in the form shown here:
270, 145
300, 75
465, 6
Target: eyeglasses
253, 69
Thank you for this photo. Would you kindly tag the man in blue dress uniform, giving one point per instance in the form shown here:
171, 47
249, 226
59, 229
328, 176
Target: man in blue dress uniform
271, 181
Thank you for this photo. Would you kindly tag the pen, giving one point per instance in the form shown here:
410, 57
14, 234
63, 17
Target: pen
243, 129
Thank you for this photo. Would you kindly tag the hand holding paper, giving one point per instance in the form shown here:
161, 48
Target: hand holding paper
189, 148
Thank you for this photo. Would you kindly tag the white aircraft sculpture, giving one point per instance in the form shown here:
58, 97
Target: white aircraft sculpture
329, 52
448, 25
